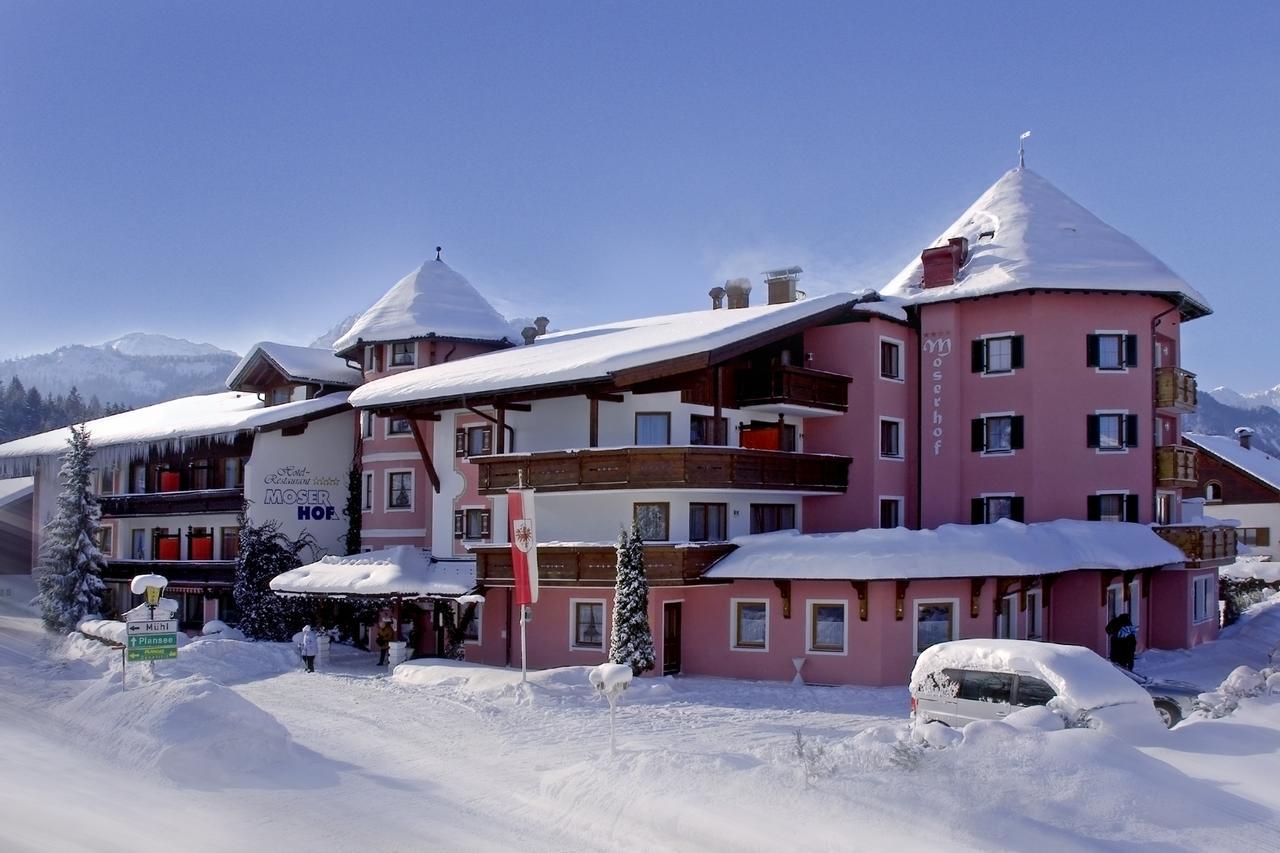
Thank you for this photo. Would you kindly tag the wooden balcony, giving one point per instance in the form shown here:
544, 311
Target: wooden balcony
1203, 546
796, 390
173, 503
1175, 389
218, 572
664, 468
596, 565
1176, 467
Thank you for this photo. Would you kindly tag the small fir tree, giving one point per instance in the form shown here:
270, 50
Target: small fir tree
354, 508
630, 640
69, 573
264, 553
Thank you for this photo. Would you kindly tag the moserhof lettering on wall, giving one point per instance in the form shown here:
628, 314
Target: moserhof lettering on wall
296, 486
937, 346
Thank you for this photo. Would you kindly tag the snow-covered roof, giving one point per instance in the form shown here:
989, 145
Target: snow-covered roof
217, 416
598, 352
402, 571
1043, 239
296, 364
1006, 548
1256, 463
15, 489
432, 300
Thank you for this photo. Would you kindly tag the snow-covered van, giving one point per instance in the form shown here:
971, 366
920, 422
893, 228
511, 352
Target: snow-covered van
967, 680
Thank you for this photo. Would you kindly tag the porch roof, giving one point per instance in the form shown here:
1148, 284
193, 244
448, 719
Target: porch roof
399, 572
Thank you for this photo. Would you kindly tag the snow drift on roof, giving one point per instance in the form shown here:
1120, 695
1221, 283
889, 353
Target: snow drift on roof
299, 364
431, 300
1042, 239
402, 571
209, 415
16, 489
1256, 463
1006, 548
596, 352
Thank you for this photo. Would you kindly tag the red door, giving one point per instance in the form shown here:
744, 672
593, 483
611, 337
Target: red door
671, 638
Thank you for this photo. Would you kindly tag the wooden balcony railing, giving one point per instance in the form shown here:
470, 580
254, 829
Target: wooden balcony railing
664, 468
1203, 546
1175, 389
221, 572
787, 385
1176, 467
597, 565
173, 503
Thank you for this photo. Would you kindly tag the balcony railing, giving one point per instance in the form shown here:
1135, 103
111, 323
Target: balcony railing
175, 571
664, 468
597, 565
1176, 467
786, 385
1203, 546
1175, 389
173, 503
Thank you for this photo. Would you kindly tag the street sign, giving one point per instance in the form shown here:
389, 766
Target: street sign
152, 626
150, 654
151, 639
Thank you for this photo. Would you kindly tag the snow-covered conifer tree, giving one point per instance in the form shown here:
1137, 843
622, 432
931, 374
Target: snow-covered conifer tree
264, 553
630, 640
69, 573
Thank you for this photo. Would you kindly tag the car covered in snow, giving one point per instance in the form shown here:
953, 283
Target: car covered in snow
1174, 700
964, 681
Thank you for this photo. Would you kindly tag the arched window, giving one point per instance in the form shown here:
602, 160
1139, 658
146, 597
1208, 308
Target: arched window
1213, 492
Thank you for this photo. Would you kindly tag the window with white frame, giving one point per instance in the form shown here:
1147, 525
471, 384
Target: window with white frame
1007, 618
708, 522
1164, 507
366, 424
1135, 602
399, 490
398, 426
1213, 492
107, 485
1203, 601
750, 624
989, 509
479, 440
368, 357
1115, 601
366, 491
997, 354
935, 622
890, 512
653, 521
1035, 614
403, 354
890, 438
106, 535
1113, 506
1112, 350
828, 627
588, 624
653, 428
469, 618
891, 359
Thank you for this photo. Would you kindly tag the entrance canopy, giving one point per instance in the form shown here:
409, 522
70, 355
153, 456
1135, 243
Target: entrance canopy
399, 572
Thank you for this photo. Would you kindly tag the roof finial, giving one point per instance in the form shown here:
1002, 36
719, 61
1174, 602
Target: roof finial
1022, 155
439, 249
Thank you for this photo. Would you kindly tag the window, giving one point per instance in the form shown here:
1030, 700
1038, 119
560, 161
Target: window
935, 623
989, 509
139, 484
403, 355
107, 483
702, 430
281, 395
230, 543
366, 492
827, 627
368, 357
199, 474
471, 632
479, 440
1258, 537
232, 472
1213, 492
1007, 618
366, 424
653, 428
398, 426
1202, 598
399, 490
138, 544
1033, 691
996, 434
1135, 602
471, 523
1111, 351
997, 354
1164, 507
652, 519
1114, 506
750, 624
708, 522
1035, 614
764, 435
766, 518
890, 512
978, 686
890, 438
890, 359
105, 535
1111, 431
1115, 601
588, 624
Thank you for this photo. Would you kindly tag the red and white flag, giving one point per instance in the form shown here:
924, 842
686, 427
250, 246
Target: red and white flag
524, 545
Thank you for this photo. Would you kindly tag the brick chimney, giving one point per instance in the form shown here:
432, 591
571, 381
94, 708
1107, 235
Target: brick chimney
782, 284
717, 297
942, 263
1245, 436
739, 292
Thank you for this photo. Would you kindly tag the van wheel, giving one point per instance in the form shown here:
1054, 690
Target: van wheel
1169, 714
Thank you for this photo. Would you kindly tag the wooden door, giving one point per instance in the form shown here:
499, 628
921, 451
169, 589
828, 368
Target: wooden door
671, 638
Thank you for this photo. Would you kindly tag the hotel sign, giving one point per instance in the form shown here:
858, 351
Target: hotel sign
937, 347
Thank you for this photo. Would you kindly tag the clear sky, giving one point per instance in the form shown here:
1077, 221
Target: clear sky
227, 172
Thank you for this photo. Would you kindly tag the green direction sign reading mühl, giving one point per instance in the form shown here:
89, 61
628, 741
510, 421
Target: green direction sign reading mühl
152, 640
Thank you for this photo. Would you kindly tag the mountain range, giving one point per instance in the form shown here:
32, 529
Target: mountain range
1221, 410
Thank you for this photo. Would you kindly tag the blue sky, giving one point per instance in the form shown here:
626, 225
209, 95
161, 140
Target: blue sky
230, 172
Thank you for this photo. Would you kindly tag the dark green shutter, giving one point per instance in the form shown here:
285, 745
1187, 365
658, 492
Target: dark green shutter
1130, 350
1095, 508
1015, 432
1091, 351
1130, 430
977, 435
1131, 508
977, 511
1091, 431
978, 356
1015, 349
1017, 508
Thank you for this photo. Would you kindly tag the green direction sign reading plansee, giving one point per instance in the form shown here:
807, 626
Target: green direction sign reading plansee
151, 641
153, 653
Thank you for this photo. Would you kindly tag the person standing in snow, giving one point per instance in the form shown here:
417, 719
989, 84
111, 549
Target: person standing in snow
309, 646
385, 635
1124, 640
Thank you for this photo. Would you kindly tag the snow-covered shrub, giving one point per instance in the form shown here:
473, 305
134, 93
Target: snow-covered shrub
1216, 703
935, 734
812, 760
1243, 681
219, 630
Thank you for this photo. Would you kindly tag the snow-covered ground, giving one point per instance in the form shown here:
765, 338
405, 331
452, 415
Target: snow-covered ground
232, 746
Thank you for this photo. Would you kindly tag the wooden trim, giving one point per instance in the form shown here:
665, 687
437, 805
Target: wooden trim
860, 588
784, 590
900, 599
975, 596
432, 476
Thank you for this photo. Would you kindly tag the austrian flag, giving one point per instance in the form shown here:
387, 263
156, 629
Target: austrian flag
524, 545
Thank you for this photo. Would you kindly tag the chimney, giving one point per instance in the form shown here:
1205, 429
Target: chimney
541, 325
529, 333
942, 263
1245, 436
717, 298
782, 284
739, 292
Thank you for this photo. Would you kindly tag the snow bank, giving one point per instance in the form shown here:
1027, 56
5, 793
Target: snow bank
490, 681
218, 629
952, 550
402, 570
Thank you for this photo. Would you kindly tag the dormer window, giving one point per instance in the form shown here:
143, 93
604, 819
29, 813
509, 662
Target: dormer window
402, 355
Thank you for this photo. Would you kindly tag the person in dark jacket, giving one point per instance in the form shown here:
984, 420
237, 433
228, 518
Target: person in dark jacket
1124, 640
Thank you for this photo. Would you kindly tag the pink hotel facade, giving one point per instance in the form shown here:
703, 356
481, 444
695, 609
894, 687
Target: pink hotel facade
1023, 371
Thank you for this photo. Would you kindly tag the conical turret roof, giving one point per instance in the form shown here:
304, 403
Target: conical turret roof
1024, 233
433, 300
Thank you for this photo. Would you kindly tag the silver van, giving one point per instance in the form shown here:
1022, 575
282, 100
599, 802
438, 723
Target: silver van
960, 696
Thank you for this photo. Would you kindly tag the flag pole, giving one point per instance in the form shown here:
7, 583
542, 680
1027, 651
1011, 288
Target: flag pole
524, 612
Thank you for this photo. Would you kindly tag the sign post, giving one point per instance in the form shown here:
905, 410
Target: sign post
149, 639
524, 561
